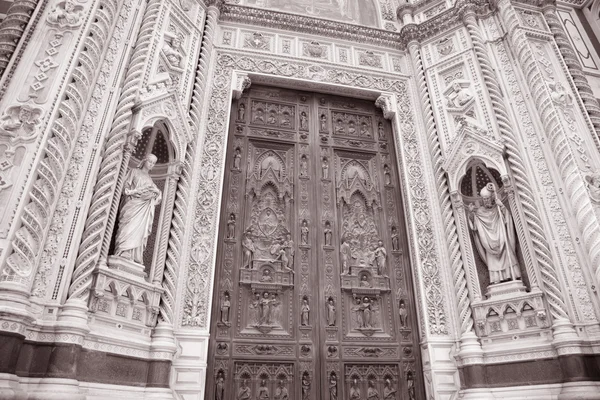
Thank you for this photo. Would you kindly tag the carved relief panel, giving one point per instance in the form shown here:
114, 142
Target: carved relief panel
314, 278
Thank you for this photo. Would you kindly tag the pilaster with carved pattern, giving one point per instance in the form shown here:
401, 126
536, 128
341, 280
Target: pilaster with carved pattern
534, 227
103, 209
572, 61
574, 183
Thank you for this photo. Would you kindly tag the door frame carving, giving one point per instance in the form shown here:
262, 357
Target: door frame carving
396, 94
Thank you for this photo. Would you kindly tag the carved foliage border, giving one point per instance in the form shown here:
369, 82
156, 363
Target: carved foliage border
198, 276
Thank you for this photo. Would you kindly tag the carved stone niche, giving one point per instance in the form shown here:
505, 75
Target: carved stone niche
128, 284
505, 296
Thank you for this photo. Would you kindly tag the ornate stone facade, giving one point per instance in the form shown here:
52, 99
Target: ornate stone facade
318, 222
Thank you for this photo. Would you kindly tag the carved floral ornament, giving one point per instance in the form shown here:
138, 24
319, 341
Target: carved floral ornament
195, 312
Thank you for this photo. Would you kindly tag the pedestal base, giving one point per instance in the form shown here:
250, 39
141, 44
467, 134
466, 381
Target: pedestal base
505, 290
131, 267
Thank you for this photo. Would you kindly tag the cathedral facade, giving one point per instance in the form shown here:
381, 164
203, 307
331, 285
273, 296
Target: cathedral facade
300, 199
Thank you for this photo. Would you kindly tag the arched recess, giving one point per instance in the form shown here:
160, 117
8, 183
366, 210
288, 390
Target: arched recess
474, 160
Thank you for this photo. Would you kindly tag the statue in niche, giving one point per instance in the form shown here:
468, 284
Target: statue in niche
339, 127
494, 236
364, 281
19, 122
266, 276
140, 198
255, 310
304, 312
281, 393
403, 314
303, 166
231, 226
372, 393
244, 392
355, 390
274, 310
304, 231
265, 309
263, 390
241, 112
237, 159
290, 251
345, 256
305, 386
593, 181
459, 96
331, 315
364, 130
395, 239
410, 385
560, 96
366, 311
325, 168
389, 391
225, 308
249, 249
259, 116
333, 389
381, 258
272, 120
285, 120
387, 176
220, 386
173, 51
303, 121
351, 128
65, 15
323, 123
380, 131
328, 233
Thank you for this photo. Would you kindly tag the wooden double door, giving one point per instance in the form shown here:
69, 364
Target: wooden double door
313, 294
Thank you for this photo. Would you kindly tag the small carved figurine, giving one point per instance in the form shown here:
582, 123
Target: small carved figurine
389, 391
65, 16
248, 246
323, 123
259, 116
19, 123
459, 97
173, 51
272, 118
140, 198
220, 386
304, 313
372, 392
380, 131
231, 226
351, 128
303, 166
345, 257
281, 393
328, 233
333, 389
325, 168
593, 181
241, 112
290, 251
367, 312
330, 312
244, 392
265, 309
381, 258
339, 127
364, 130
410, 384
225, 307
237, 159
387, 176
263, 390
364, 281
304, 231
355, 390
403, 314
305, 386
303, 121
395, 239
266, 276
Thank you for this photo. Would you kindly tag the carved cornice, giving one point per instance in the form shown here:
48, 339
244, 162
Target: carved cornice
315, 26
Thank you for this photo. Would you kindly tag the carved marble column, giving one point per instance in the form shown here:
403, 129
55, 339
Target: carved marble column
570, 57
12, 28
562, 326
208, 43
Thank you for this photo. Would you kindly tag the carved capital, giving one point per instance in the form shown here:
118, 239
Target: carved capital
387, 103
240, 83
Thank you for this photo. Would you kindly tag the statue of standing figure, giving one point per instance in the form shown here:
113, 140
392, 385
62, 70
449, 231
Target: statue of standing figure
305, 313
304, 231
220, 386
331, 312
345, 257
494, 235
249, 249
381, 258
328, 233
140, 198
333, 389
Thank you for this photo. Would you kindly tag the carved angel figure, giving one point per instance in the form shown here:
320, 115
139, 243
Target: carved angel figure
140, 198
173, 51
19, 123
65, 15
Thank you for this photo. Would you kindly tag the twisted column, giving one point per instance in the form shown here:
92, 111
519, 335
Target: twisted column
12, 28
590, 104
541, 248
451, 234
550, 117
208, 44
104, 204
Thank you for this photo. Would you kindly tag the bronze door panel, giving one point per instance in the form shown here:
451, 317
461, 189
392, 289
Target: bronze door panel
313, 295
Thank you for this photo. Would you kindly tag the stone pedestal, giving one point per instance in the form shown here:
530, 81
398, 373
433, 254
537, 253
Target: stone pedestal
125, 265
